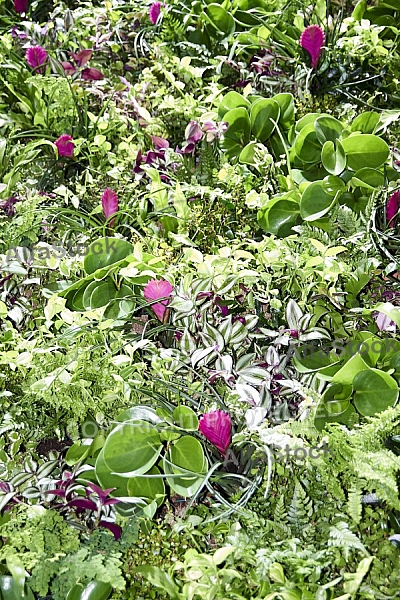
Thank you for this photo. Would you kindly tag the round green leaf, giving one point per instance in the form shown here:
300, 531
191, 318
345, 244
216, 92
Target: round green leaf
9, 589
365, 150
132, 448
375, 391
365, 122
279, 216
188, 454
328, 129
337, 398
307, 146
332, 184
239, 125
286, 105
261, 114
368, 178
95, 590
247, 155
151, 488
108, 480
333, 157
105, 252
185, 485
315, 202
322, 417
220, 19
186, 418
230, 101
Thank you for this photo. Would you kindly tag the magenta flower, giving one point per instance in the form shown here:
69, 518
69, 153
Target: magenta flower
20, 6
312, 39
109, 201
216, 426
154, 12
36, 57
65, 146
393, 208
156, 290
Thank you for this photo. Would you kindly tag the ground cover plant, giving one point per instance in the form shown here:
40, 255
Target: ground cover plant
199, 300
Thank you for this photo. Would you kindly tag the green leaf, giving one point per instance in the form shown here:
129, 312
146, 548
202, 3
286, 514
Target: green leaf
187, 453
95, 590
328, 129
105, 252
365, 150
132, 448
159, 579
388, 309
375, 391
307, 146
261, 114
186, 418
368, 178
108, 480
279, 216
366, 122
220, 19
333, 157
315, 202
286, 105
9, 590
347, 373
150, 488
239, 126
247, 155
322, 417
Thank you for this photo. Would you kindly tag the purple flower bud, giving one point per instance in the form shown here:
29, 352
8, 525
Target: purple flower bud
193, 132
65, 146
312, 39
154, 12
156, 290
109, 201
216, 426
393, 208
36, 57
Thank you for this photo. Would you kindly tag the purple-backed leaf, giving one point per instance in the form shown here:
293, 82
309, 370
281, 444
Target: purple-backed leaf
102, 494
109, 201
36, 57
159, 142
154, 12
312, 39
91, 74
156, 290
110, 501
83, 503
82, 57
60, 493
193, 132
113, 527
68, 68
20, 6
216, 426
393, 208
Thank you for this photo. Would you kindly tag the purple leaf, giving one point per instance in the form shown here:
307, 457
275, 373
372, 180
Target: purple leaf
82, 57
113, 527
91, 74
193, 132
65, 146
312, 39
68, 68
159, 142
384, 322
36, 57
83, 503
216, 426
154, 12
20, 6
109, 201
392, 208
60, 493
156, 290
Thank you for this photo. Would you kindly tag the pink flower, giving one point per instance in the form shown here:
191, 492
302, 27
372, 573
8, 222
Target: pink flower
36, 57
20, 6
109, 201
393, 208
91, 74
216, 426
156, 290
154, 12
312, 39
65, 146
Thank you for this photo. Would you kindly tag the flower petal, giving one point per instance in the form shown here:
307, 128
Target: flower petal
154, 12
65, 145
156, 290
109, 201
36, 57
392, 208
